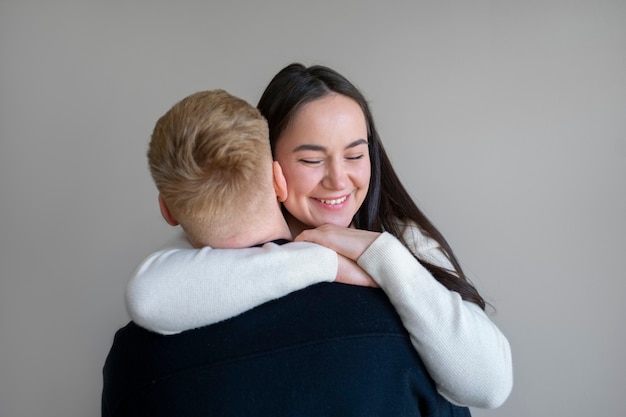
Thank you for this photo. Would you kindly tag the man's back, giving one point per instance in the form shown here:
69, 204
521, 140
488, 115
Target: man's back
327, 350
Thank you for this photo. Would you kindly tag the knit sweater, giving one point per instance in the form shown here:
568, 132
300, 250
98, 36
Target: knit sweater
468, 357
329, 350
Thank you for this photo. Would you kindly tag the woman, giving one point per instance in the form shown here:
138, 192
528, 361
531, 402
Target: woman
341, 182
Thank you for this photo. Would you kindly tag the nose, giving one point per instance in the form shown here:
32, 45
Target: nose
335, 177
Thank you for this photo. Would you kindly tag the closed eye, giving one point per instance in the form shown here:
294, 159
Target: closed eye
310, 161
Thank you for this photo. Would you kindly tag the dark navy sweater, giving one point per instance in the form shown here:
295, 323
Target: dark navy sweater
327, 350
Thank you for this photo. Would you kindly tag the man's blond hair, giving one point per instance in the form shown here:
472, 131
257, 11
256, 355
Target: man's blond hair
210, 158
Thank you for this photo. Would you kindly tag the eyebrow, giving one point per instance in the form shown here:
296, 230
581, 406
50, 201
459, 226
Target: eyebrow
311, 147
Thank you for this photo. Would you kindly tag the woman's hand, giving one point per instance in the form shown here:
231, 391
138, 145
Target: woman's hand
348, 242
348, 272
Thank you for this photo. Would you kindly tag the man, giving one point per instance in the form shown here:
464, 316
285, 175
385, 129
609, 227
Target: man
327, 350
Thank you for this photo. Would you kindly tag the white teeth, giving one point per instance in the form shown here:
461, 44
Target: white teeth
334, 202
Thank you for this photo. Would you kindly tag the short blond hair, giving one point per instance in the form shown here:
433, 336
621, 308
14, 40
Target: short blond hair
210, 158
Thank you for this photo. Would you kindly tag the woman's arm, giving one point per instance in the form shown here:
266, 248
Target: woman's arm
181, 288
464, 351
467, 356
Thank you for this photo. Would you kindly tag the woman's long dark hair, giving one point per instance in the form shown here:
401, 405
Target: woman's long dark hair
387, 200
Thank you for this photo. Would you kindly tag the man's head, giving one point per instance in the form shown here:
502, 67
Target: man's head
211, 161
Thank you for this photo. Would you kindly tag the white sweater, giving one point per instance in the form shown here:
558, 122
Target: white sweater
180, 288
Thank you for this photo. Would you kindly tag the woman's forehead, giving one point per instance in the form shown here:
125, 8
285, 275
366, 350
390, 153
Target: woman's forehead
331, 116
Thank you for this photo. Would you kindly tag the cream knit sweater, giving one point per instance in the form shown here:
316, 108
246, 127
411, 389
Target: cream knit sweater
180, 288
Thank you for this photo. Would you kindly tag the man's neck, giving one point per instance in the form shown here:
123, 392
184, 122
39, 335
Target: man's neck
281, 232
258, 235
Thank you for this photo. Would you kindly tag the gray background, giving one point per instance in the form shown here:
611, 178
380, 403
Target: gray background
506, 119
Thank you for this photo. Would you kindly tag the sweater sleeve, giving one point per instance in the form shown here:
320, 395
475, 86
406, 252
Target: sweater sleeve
181, 288
465, 353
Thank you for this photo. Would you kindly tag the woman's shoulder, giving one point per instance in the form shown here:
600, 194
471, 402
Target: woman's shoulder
421, 244
414, 235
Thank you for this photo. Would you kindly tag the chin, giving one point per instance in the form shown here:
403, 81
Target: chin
340, 222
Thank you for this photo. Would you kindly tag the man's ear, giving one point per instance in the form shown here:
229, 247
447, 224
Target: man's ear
280, 183
165, 212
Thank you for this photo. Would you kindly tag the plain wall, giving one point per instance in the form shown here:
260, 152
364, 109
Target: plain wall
505, 119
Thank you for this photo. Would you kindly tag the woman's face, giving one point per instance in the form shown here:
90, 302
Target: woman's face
324, 155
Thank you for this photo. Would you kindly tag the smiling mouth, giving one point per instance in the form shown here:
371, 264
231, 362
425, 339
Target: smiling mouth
333, 202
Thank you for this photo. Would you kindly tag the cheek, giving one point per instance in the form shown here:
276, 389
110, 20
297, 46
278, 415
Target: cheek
299, 181
364, 174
